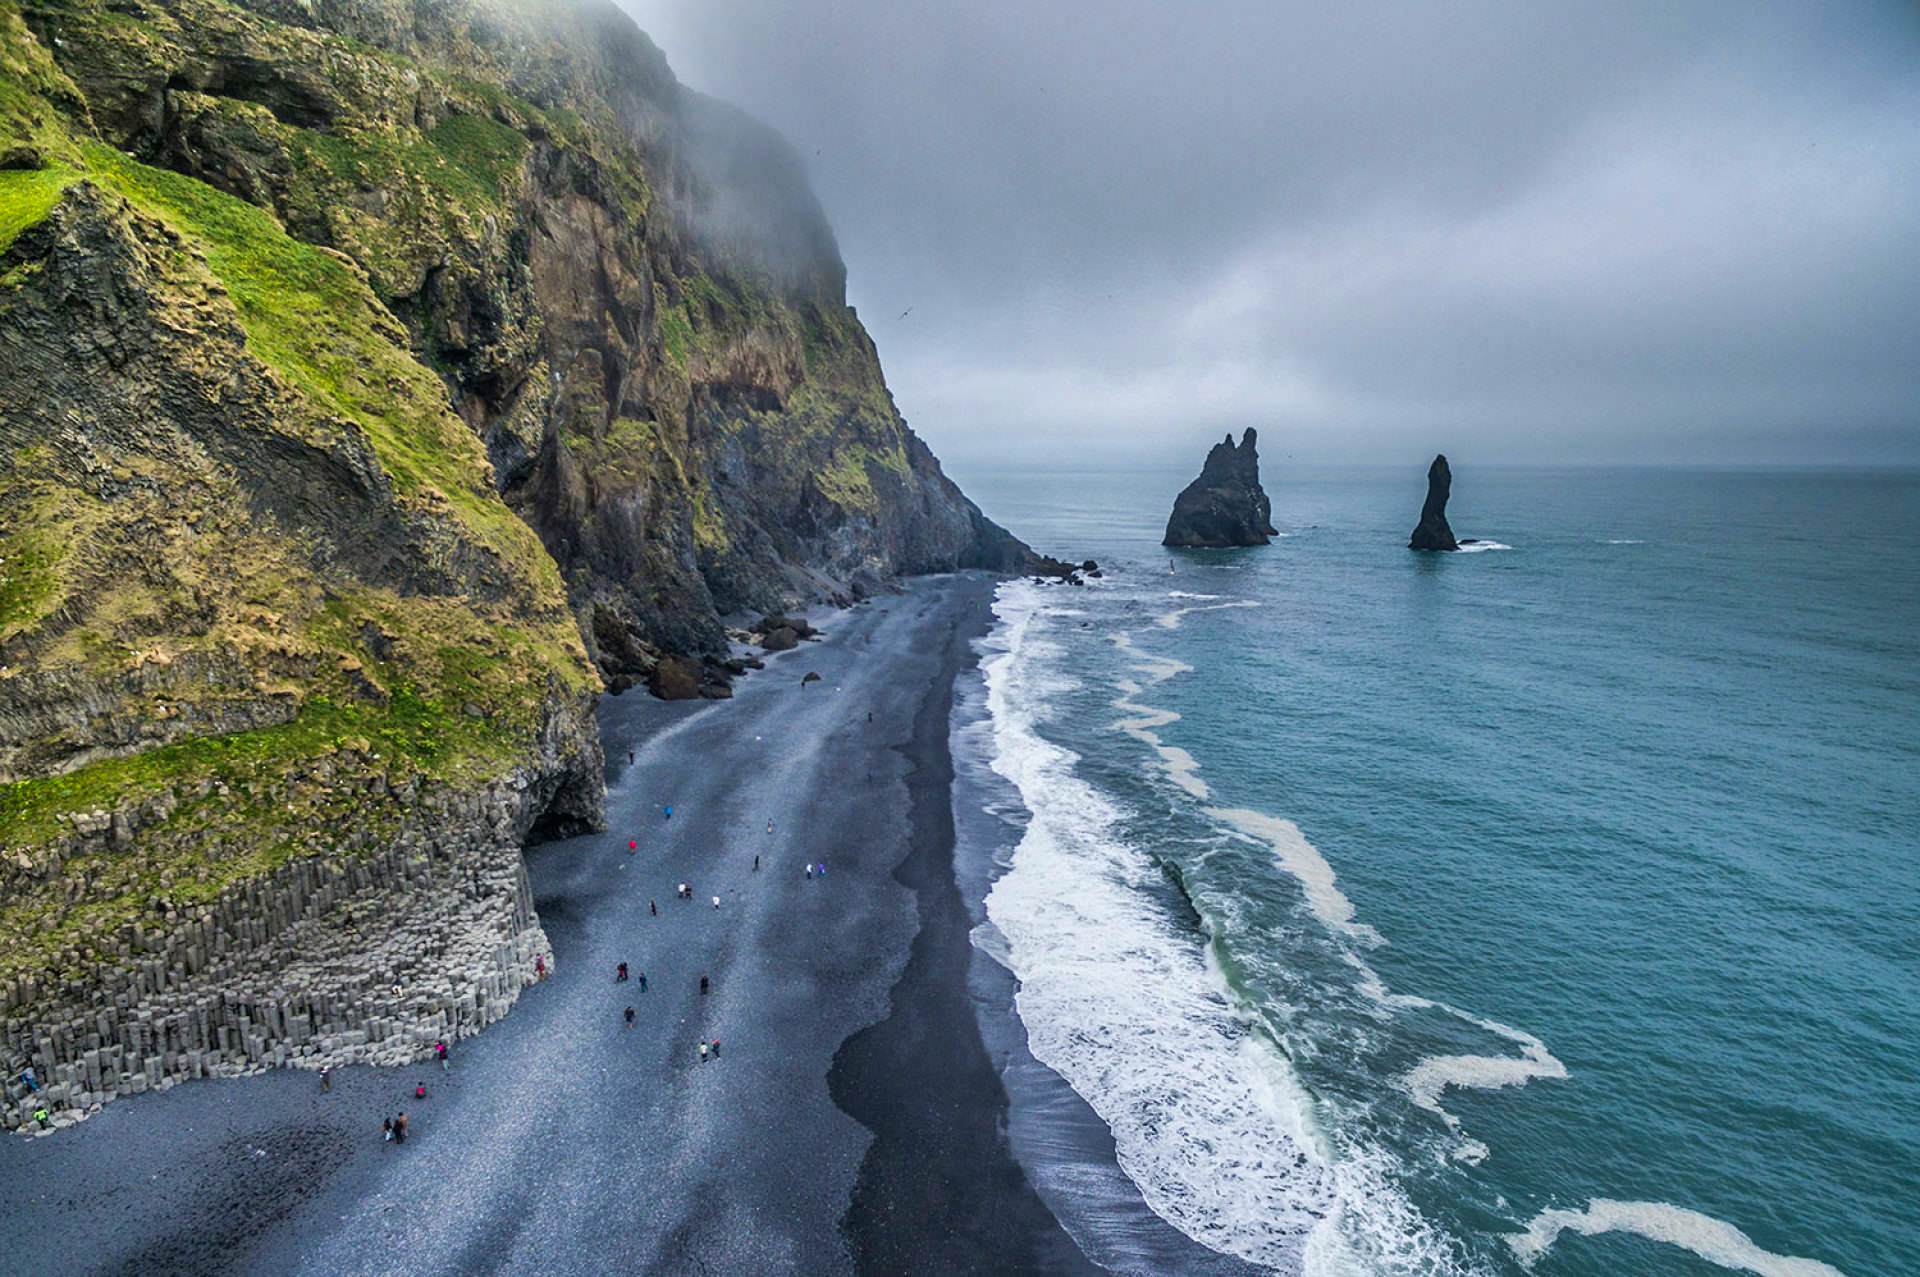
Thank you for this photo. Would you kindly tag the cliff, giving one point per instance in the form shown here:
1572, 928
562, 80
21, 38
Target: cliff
1432, 532
1225, 506
379, 379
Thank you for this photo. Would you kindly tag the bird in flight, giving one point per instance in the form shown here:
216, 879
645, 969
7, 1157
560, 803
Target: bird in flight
906, 312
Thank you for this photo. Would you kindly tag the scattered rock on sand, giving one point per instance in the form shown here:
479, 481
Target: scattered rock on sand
675, 678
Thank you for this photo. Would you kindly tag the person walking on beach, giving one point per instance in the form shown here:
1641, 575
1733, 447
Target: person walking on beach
653, 907
716, 902
809, 871
769, 824
703, 1051
400, 1129
440, 1054
540, 968
756, 864
716, 1048
669, 811
30, 1080
643, 982
386, 1130
703, 986
419, 1090
620, 977
629, 1017
326, 1077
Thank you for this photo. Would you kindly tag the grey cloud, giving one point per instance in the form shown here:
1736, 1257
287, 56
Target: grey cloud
1593, 232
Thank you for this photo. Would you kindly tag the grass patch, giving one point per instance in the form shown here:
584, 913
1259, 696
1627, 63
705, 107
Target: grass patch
486, 151
27, 196
313, 318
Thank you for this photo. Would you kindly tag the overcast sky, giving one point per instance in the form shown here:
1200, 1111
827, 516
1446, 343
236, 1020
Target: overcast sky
1605, 232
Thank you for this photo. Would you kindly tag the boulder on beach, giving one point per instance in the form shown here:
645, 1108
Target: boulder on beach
675, 678
1433, 532
809, 677
781, 639
1226, 505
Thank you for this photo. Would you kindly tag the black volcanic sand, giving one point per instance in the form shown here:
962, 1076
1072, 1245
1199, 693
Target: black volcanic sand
562, 1142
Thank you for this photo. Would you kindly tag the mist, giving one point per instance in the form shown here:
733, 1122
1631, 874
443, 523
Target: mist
1112, 231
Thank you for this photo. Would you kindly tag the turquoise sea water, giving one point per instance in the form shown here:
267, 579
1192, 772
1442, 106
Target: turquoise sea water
1552, 906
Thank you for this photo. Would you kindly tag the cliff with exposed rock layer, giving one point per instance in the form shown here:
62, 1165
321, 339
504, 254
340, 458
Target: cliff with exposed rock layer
379, 381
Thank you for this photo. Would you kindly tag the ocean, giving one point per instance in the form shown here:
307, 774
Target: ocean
1550, 908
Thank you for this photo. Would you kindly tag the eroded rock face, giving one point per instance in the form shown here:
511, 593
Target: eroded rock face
629, 289
377, 377
1432, 533
1226, 505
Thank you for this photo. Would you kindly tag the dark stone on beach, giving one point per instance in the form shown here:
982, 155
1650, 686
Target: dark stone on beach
1090, 568
675, 678
782, 639
809, 677
1226, 505
1433, 532
798, 624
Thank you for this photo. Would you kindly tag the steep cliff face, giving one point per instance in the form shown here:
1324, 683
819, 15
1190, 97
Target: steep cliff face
375, 376
628, 289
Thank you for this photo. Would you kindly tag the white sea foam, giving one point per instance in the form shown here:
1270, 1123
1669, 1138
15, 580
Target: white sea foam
1171, 620
1207, 1115
1478, 546
1303, 860
1714, 1240
1185, 594
1118, 998
1433, 1075
1623, 541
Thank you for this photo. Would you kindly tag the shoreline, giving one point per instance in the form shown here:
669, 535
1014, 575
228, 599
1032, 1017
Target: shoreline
561, 1141
1064, 1147
939, 1189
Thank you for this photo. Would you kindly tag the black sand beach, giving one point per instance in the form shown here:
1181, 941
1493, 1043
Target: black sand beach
563, 1142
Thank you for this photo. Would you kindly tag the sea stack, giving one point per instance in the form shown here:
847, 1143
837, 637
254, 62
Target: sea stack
1225, 506
1433, 532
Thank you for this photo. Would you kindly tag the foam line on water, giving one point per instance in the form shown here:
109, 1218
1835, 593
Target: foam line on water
1119, 999
1713, 1240
1478, 546
1208, 1117
1426, 1081
1181, 767
1171, 620
1298, 857
1304, 862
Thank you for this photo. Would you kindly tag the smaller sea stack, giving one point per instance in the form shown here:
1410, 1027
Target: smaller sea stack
1225, 506
1433, 532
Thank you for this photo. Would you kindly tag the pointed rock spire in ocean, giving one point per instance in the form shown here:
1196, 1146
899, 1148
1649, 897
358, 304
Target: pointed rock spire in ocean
1433, 532
1225, 506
